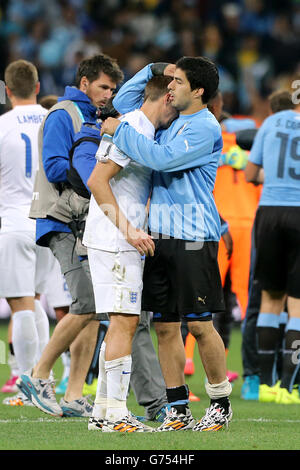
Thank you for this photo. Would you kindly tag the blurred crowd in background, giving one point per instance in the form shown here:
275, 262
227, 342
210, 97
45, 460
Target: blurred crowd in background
254, 42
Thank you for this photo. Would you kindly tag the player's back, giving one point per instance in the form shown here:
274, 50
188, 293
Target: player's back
18, 164
277, 149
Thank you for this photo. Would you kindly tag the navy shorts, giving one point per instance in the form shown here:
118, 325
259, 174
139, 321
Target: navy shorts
182, 280
277, 240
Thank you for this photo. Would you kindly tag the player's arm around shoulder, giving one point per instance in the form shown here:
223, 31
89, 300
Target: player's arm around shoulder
130, 95
190, 145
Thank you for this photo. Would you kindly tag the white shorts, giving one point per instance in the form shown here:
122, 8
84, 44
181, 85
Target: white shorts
5, 310
117, 280
24, 266
57, 293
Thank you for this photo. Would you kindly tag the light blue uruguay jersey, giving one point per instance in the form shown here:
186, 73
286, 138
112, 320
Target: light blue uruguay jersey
184, 158
276, 148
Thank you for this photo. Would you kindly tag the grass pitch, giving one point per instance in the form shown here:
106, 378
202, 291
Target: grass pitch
255, 426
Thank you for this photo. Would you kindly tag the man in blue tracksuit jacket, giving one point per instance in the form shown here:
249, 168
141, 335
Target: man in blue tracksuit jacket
57, 141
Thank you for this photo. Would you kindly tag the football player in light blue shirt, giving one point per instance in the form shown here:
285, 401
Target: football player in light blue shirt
193, 142
276, 149
276, 152
182, 278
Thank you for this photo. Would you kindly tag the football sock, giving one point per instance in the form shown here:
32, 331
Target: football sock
66, 361
283, 319
219, 393
224, 402
11, 361
100, 404
11, 349
290, 359
267, 329
118, 373
184, 330
42, 325
25, 339
178, 398
189, 346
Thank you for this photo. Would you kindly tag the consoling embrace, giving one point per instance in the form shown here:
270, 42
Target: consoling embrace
182, 159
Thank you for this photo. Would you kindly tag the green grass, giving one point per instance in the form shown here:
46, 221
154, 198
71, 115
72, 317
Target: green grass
255, 426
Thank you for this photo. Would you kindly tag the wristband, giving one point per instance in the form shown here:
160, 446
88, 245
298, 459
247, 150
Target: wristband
158, 68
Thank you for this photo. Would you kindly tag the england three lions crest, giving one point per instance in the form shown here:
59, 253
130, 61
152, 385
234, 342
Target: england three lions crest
133, 296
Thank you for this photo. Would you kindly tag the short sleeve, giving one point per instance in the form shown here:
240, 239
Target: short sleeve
107, 150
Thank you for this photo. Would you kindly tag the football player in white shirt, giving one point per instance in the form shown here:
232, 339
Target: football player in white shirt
23, 265
56, 300
121, 188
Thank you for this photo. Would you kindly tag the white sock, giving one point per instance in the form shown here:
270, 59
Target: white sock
25, 339
118, 378
100, 405
66, 361
11, 361
42, 325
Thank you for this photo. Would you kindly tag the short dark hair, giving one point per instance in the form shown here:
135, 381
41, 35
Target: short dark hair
201, 72
21, 78
156, 87
48, 101
280, 100
92, 67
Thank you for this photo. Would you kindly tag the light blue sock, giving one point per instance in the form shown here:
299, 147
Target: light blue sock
268, 320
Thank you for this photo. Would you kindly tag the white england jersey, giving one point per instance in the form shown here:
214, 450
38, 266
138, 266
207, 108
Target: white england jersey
131, 188
18, 165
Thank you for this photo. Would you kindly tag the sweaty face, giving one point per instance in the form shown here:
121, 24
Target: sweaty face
180, 91
100, 90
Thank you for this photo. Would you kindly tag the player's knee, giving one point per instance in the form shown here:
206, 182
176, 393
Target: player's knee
79, 322
126, 324
276, 294
166, 331
200, 329
272, 301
